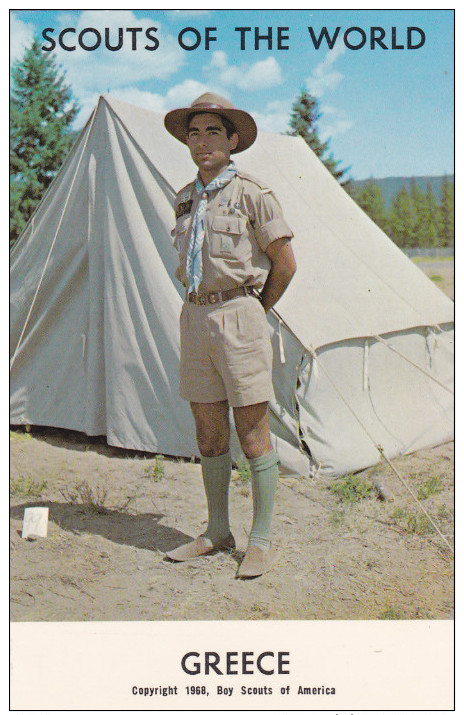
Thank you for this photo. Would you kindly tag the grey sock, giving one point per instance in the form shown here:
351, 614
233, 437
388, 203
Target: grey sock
265, 473
216, 479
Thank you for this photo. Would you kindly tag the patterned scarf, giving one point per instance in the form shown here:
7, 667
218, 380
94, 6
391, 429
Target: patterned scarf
194, 265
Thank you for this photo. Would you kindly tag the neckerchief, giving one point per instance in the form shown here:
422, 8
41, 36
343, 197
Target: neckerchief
194, 264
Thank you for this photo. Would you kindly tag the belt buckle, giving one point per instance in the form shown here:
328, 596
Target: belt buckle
201, 298
215, 297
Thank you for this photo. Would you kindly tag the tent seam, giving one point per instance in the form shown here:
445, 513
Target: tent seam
52, 244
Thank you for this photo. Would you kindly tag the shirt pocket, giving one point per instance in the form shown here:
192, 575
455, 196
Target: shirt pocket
229, 237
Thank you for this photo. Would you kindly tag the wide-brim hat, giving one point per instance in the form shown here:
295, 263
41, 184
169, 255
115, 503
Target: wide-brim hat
176, 121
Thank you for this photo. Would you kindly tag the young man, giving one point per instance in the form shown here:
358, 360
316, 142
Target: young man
235, 261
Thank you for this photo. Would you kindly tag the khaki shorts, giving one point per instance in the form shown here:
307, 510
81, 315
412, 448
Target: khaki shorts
225, 353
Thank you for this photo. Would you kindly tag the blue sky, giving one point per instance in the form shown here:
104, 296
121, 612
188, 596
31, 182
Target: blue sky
386, 112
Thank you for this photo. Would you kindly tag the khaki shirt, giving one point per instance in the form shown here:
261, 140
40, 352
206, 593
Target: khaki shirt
242, 220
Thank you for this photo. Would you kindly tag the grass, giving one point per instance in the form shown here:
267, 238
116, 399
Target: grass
414, 522
27, 487
93, 499
435, 278
243, 469
443, 514
337, 518
156, 471
431, 486
352, 488
391, 614
19, 436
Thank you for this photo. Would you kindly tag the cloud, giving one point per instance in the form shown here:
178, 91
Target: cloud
324, 77
333, 122
180, 95
100, 69
274, 117
178, 14
21, 36
263, 74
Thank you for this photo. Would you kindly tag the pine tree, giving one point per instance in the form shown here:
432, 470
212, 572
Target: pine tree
428, 228
446, 213
303, 122
41, 113
401, 219
370, 199
417, 208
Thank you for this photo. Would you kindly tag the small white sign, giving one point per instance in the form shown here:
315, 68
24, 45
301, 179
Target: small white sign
35, 521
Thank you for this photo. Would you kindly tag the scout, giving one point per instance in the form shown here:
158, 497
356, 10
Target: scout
235, 262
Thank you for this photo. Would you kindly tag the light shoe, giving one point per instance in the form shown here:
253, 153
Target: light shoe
256, 561
200, 547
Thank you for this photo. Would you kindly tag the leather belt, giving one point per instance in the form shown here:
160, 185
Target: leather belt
219, 296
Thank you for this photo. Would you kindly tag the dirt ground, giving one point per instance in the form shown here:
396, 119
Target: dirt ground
349, 552
113, 514
440, 271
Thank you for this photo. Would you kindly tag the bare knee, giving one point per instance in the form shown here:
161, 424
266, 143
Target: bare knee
252, 427
212, 427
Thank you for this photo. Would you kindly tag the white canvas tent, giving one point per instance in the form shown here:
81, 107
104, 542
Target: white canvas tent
363, 352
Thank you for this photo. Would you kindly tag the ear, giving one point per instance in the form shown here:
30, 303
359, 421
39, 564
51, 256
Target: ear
233, 141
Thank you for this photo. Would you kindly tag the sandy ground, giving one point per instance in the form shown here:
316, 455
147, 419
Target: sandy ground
440, 271
112, 514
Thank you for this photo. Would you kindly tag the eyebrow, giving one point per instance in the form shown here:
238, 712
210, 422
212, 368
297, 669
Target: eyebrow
193, 128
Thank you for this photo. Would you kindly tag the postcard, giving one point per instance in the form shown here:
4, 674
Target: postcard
231, 368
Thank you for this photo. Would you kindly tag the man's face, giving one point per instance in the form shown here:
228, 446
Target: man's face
208, 143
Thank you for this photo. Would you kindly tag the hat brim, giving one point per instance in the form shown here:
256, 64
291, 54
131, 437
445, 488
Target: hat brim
176, 122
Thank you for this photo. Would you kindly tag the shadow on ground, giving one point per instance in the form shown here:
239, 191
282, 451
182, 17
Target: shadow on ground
78, 441
143, 531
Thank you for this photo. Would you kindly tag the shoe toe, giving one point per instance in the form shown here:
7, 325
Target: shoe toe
256, 562
199, 547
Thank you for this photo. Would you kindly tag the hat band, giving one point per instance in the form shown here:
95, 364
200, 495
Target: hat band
207, 105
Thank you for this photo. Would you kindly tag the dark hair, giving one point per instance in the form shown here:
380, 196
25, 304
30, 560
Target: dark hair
228, 125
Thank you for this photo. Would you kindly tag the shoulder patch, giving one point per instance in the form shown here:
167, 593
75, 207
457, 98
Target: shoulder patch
184, 194
184, 207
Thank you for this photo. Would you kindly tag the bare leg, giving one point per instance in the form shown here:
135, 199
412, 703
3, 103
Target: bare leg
251, 423
212, 427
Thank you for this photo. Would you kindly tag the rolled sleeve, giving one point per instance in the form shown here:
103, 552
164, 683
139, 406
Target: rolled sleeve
269, 221
272, 230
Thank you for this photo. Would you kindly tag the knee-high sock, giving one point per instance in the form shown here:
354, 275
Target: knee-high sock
216, 480
265, 472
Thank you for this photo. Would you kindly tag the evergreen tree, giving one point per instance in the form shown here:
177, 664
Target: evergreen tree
41, 113
370, 199
428, 229
417, 209
303, 122
401, 219
446, 213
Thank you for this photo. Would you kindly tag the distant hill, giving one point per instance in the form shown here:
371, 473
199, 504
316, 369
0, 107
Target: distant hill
392, 184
